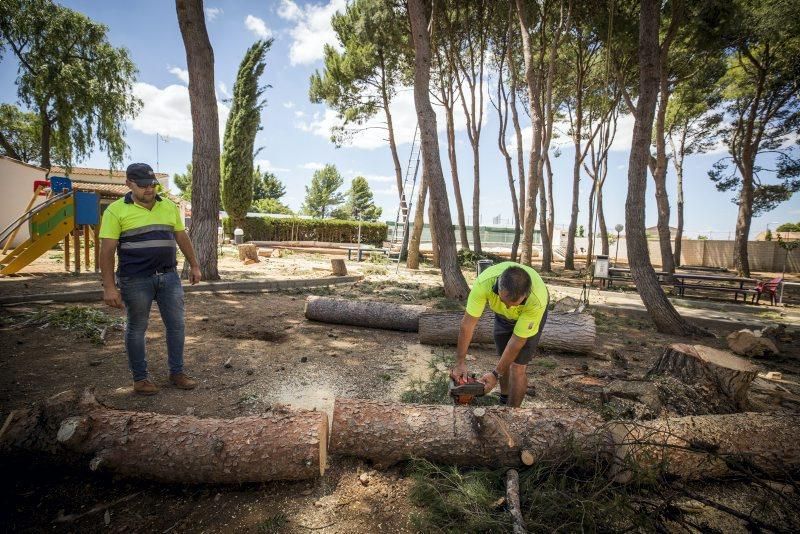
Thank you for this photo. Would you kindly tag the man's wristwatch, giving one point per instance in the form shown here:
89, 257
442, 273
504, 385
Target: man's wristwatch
496, 374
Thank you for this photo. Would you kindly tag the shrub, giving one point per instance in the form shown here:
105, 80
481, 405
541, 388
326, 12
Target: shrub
296, 229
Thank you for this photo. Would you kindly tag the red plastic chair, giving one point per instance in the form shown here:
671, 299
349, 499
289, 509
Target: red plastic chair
768, 288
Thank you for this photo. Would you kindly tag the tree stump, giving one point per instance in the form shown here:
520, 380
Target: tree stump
248, 251
372, 314
280, 444
563, 332
710, 371
338, 267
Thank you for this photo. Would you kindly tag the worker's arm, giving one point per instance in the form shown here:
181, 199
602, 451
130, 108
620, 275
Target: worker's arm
468, 324
510, 354
111, 295
185, 244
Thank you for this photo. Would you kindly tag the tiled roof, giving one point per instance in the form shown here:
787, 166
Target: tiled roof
111, 190
88, 171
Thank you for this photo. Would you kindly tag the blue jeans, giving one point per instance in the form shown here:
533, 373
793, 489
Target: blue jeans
138, 294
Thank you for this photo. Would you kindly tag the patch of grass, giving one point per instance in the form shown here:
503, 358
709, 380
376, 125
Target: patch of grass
273, 524
376, 259
57, 256
544, 362
448, 305
85, 321
379, 270
434, 390
385, 377
435, 292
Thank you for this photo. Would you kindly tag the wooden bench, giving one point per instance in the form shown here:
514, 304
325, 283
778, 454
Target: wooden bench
681, 287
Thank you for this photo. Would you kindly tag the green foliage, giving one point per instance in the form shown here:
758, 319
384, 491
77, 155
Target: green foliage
702, 237
21, 135
789, 227
360, 204
468, 258
85, 321
243, 123
78, 85
184, 182
361, 79
768, 235
270, 205
322, 195
267, 185
295, 229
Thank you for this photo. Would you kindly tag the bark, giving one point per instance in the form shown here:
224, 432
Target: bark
434, 241
563, 332
663, 314
455, 286
338, 267
398, 172
547, 252
551, 207
715, 372
205, 136
741, 259
520, 153
386, 433
370, 314
451, 154
512, 500
601, 222
678, 154
276, 445
47, 131
412, 261
660, 177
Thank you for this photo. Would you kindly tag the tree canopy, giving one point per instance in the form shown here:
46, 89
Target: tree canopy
80, 87
360, 204
322, 194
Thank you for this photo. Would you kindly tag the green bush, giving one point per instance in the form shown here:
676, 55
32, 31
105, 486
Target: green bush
296, 229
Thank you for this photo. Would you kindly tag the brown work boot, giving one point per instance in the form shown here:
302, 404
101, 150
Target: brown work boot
182, 381
144, 387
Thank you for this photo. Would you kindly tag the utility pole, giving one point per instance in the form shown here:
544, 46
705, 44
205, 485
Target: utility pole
162, 138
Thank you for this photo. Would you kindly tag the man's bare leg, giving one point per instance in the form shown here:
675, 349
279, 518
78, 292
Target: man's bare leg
517, 384
504, 384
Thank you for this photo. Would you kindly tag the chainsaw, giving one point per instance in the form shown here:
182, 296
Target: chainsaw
465, 389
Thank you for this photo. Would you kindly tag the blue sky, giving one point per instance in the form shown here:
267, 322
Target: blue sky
295, 135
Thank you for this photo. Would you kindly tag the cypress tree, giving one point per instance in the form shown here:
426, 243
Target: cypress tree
243, 123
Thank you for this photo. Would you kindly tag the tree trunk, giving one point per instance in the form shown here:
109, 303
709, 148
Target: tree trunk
666, 319
455, 286
434, 242
520, 154
276, 445
601, 221
547, 249
741, 260
386, 433
551, 211
371, 314
569, 257
679, 209
451, 154
660, 176
398, 172
476, 199
563, 332
512, 501
707, 446
412, 261
205, 135
338, 267
718, 372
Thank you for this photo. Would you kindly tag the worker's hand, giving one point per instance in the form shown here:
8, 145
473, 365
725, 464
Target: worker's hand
459, 372
489, 382
194, 275
113, 298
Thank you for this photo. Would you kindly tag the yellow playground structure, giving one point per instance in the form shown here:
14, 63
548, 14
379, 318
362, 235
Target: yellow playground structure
65, 213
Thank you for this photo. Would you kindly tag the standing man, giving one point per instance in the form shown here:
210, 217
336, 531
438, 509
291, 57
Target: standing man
518, 297
144, 228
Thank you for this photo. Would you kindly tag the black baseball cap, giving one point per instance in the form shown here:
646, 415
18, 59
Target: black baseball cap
141, 173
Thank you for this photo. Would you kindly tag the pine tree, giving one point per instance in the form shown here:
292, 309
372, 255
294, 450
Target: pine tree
244, 122
360, 204
184, 182
322, 194
266, 185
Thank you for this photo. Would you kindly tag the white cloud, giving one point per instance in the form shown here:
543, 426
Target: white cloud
224, 90
257, 26
182, 74
266, 165
312, 165
288, 105
312, 29
374, 178
167, 112
299, 114
391, 190
212, 13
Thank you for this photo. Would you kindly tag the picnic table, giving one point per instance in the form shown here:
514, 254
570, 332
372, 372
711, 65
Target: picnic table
364, 250
737, 284
624, 273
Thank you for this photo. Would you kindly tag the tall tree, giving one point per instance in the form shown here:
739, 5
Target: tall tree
79, 85
267, 185
21, 136
666, 319
455, 286
761, 92
360, 203
322, 193
243, 124
362, 79
205, 135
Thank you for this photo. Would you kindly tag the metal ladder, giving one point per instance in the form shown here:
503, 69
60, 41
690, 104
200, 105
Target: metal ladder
400, 230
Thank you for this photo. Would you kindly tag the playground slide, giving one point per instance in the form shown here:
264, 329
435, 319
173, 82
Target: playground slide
49, 223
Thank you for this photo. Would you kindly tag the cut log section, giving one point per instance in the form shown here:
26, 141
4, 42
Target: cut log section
248, 251
707, 446
338, 267
714, 371
563, 332
492, 436
278, 445
512, 498
372, 314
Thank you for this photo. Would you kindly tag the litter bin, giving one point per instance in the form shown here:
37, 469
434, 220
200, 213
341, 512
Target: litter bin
238, 236
483, 264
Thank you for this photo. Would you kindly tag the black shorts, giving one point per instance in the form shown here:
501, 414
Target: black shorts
504, 328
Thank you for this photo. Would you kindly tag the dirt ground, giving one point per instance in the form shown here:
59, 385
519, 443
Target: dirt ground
276, 357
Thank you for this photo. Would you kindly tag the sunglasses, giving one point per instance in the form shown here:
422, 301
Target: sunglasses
151, 185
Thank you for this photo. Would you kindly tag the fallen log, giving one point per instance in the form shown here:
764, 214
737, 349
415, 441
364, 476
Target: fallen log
563, 332
720, 376
369, 313
277, 445
691, 447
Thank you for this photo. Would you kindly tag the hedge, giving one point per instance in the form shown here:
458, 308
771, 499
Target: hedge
295, 229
